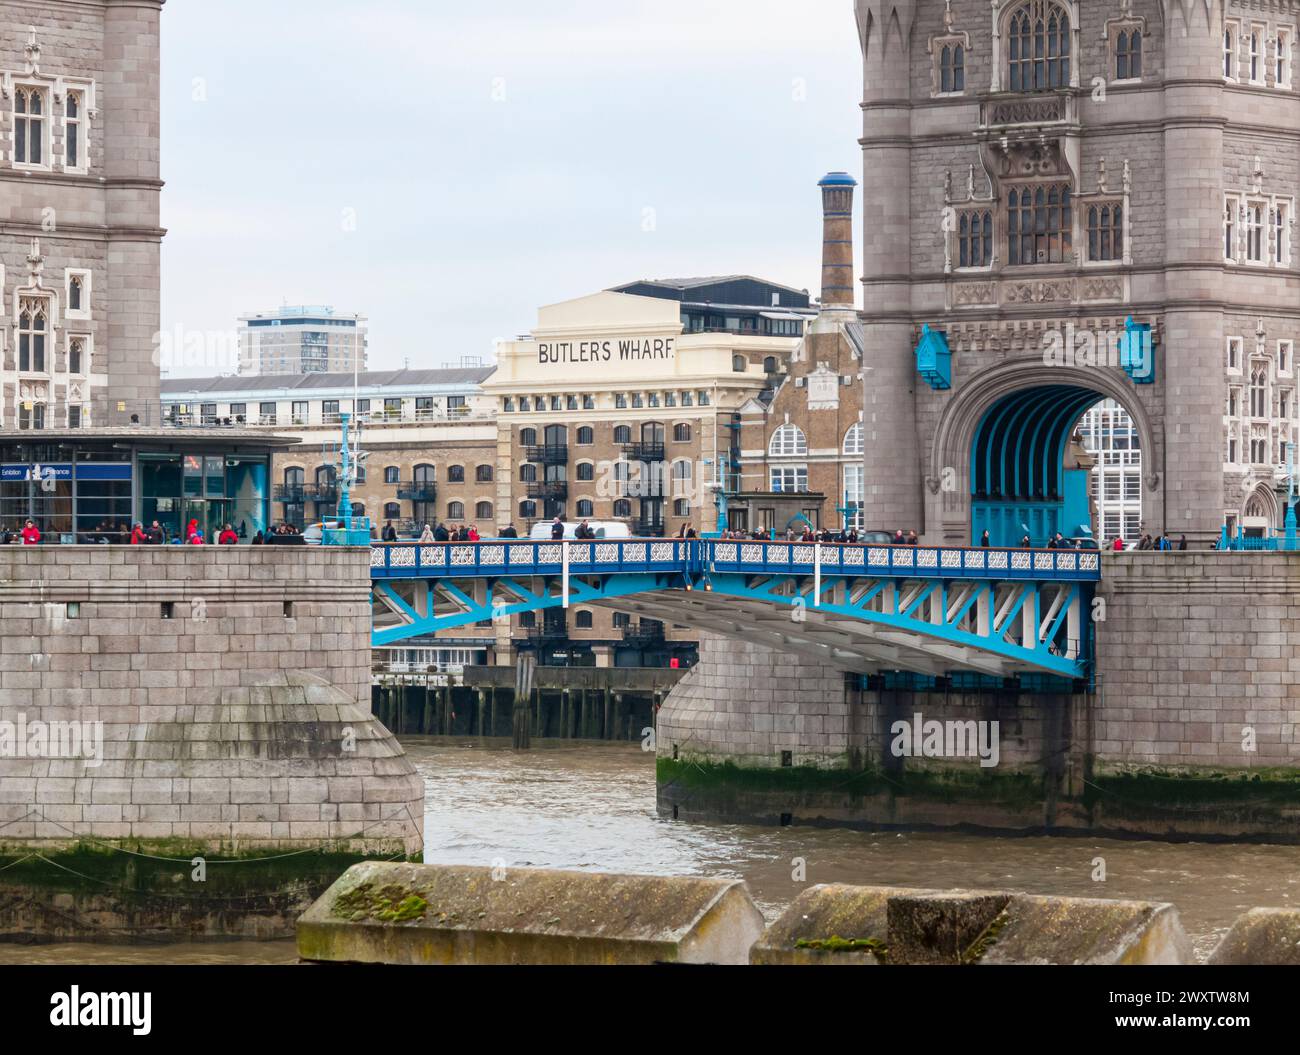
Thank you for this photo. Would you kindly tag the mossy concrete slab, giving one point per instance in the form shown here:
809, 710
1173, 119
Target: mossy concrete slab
1079, 930
840, 924
831, 923
1262, 936
381, 912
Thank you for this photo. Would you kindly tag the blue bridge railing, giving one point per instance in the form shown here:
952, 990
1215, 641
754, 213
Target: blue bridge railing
529, 557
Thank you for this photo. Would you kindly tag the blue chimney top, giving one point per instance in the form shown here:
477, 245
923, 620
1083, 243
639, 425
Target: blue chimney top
837, 179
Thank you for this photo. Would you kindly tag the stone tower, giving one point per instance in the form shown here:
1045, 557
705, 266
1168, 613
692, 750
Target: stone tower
893, 467
79, 255
1081, 201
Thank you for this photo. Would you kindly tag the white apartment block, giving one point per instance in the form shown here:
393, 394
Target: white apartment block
380, 397
301, 339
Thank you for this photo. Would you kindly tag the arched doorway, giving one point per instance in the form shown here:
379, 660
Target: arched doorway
1050, 459
1259, 515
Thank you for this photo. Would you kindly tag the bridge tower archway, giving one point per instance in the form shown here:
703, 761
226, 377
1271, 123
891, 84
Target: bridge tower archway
1004, 459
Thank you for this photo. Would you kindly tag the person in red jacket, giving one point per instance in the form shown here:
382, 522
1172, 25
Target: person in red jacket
472, 535
139, 536
31, 534
227, 537
196, 539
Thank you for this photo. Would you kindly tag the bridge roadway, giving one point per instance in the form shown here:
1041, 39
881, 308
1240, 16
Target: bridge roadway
865, 608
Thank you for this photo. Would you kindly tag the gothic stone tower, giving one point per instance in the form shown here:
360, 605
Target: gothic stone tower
1080, 201
79, 241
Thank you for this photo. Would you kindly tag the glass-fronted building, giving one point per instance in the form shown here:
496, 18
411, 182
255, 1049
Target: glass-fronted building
80, 485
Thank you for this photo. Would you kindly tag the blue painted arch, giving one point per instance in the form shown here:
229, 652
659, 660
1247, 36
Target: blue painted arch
1018, 477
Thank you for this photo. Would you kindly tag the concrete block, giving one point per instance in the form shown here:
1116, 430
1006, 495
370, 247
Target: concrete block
1262, 936
839, 924
378, 912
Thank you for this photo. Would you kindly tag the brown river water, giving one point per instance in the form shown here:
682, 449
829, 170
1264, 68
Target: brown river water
567, 804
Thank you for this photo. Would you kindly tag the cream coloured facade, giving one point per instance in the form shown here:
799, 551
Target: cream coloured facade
609, 411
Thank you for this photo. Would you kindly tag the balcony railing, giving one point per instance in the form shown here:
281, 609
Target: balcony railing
644, 634
417, 491
553, 489
321, 493
1016, 110
645, 450
548, 453
290, 494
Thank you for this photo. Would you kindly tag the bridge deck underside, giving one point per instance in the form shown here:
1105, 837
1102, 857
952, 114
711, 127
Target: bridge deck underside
863, 624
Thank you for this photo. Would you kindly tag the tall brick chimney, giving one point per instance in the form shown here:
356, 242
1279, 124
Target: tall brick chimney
837, 240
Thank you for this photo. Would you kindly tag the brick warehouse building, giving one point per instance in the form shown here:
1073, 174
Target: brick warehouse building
1046, 168
79, 233
617, 407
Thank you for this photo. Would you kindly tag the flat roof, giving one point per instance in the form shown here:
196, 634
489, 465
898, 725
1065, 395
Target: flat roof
149, 435
268, 383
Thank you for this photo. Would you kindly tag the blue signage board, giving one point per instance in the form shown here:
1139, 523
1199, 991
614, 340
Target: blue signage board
36, 471
104, 471
63, 471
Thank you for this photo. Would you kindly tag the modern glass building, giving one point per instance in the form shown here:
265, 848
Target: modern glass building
83, 485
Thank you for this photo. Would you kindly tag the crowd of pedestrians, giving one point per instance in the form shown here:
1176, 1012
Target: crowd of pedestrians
286, 533
1160, 542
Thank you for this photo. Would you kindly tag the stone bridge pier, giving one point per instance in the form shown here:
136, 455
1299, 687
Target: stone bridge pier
214, 697
1189, 729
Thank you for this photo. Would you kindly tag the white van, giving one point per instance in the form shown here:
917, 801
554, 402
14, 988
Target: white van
602, 529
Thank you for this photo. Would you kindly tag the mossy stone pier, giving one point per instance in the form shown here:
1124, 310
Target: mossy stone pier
221, 694
1190, 729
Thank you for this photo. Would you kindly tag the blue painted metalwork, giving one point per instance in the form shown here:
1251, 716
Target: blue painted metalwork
934, 358
1019, 483
1135, 352
1254, 543
976, 609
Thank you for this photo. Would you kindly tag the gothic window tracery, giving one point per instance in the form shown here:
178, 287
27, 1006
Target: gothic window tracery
1039, 222
1038, 46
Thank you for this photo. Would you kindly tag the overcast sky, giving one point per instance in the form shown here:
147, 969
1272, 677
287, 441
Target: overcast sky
445, 167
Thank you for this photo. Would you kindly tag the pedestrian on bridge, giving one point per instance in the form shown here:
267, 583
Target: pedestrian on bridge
440, 533
509, 531
31, 534
427, 534
984, 540
390, 532
557, 528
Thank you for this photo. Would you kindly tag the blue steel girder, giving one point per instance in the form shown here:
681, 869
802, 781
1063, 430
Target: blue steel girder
932, 610
468, 609
991, 627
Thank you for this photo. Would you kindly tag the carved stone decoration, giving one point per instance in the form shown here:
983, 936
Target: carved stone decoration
35, 264
967, 294
32, 49
1047, 291
1103, 289
823, 389
1020, 293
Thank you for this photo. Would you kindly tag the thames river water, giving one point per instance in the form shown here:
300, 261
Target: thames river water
567, 804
